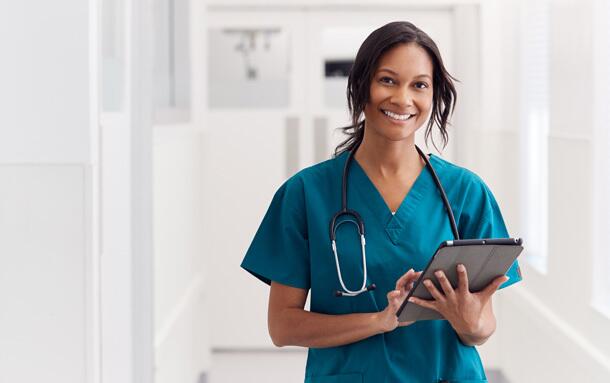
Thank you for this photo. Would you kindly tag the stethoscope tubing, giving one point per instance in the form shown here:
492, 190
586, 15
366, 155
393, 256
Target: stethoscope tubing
359, 222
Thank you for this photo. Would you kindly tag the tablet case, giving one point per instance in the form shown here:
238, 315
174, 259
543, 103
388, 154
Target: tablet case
485, 260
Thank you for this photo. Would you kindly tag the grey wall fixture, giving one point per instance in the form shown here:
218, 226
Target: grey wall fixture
320, 139
292, 146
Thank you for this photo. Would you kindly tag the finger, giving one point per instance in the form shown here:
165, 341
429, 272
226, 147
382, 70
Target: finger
445, 284
410, 286
434, 291
424, 303
410, 280
462, 278
394, 298
494, 285
402, 281
415, 276
393, 294
402, 324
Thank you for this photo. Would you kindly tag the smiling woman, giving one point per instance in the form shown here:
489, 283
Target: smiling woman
353, 334
405, 72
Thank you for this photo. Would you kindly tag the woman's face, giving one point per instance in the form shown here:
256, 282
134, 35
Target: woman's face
401, 93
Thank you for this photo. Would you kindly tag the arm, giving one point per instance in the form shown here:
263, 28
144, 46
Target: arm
291, 325
484, 330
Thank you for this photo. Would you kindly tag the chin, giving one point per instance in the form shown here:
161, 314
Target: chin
392, 131
398, 134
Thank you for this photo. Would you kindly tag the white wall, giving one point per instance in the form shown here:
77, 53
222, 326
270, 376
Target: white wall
547, 328
122, 201
75, 248
181, 307
181, 328
45, 181
45, 79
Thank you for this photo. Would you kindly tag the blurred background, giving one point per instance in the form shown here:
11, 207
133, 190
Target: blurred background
141, 142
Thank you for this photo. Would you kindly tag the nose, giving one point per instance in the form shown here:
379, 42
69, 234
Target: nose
402, 97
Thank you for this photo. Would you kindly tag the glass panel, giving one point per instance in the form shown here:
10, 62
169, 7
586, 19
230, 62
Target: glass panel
249, 68
601, 159
535, 129
172, 92
113, 55
339, 48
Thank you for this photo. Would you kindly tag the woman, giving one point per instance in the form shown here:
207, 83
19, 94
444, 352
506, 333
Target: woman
399, 83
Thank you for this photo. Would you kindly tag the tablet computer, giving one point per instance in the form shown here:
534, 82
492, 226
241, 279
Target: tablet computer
485, 260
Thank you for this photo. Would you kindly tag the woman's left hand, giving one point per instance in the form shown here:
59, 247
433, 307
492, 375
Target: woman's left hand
463, 309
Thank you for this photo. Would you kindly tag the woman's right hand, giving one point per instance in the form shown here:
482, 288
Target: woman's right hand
387, 318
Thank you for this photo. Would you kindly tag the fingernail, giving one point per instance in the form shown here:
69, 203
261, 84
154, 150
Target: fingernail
461, 267
438, 273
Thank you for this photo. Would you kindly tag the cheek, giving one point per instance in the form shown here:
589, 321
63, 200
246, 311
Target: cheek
425, 102
377, 94
373, 104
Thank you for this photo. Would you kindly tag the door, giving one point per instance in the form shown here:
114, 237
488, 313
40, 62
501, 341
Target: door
256, 105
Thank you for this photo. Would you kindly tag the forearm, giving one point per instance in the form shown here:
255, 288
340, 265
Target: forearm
298, 327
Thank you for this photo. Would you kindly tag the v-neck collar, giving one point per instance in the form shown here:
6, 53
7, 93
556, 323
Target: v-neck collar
394, 224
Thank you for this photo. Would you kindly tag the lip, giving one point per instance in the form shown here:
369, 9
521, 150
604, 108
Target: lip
398, 122
395, 112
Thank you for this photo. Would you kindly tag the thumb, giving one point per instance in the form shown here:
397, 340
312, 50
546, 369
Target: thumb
393, 298
494, 285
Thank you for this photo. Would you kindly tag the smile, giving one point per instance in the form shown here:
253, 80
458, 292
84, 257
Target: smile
399, 117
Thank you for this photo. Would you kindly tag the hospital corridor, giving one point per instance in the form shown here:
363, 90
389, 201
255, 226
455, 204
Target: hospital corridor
319, 191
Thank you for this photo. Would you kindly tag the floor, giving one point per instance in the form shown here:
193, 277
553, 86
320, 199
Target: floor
272, 366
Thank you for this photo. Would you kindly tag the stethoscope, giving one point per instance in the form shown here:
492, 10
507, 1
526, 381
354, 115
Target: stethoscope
357, 220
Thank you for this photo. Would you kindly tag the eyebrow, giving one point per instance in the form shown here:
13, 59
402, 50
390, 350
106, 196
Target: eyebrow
396, 74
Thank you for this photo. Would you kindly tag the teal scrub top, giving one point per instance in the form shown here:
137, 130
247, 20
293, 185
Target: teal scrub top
292, 247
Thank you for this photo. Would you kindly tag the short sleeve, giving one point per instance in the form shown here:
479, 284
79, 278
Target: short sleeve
481, 218
279, 251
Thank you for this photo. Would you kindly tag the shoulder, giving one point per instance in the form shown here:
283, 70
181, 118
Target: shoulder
312, 179
477, 212
317, 175
321, 171
466, 190
458, 177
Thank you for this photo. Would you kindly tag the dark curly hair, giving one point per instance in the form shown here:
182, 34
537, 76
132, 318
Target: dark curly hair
361, 74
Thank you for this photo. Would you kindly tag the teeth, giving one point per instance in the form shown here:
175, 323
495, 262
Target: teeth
401, 117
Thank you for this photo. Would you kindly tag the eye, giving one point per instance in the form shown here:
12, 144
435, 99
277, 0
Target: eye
421, 85
387, 80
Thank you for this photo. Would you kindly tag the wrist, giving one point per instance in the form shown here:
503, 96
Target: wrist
475, 330
377, 324
475, 334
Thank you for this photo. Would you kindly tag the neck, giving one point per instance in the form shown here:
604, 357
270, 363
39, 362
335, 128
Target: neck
389, 158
